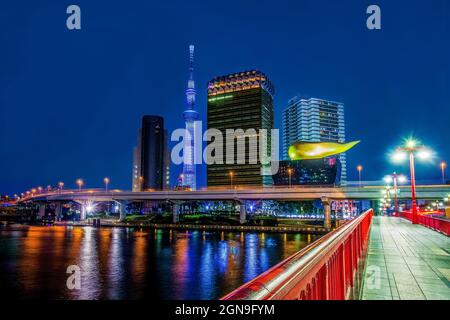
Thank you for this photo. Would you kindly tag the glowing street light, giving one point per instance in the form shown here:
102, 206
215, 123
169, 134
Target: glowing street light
60, 185
80, 183
396, 178
231, 179
443, 166
359, 168
141, 183
290, 176
411, 148
106, 181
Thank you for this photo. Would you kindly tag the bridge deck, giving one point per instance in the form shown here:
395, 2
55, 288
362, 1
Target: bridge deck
413, 262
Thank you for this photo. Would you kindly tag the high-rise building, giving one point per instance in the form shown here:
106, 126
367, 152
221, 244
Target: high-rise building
150, 156
242, 100
314, 120
190, 116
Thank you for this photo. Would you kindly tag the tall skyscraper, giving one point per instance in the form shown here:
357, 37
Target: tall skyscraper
150, 156
190, 116
314, 120
242, 100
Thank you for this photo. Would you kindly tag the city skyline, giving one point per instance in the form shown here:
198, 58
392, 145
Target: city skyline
384, 95
302, 155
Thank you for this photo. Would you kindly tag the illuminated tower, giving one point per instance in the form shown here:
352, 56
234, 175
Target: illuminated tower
190, 116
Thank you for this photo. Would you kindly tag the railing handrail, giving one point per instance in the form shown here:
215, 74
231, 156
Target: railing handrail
439, 224
270, 283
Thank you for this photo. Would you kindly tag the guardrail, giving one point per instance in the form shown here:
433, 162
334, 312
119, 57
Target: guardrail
441, 225
325, 270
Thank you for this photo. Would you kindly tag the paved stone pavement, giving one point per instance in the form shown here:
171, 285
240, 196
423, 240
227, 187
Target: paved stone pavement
406, 262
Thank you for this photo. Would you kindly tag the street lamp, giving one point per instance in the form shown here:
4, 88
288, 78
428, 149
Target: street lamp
60, 185
290, 176
106, 181
231, 179
443, 166
141, 183
396, 178
411, 148
80, 183
359, 168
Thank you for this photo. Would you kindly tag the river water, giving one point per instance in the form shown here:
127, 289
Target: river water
131, 263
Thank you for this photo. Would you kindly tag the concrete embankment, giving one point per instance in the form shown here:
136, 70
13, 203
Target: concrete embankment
183, 226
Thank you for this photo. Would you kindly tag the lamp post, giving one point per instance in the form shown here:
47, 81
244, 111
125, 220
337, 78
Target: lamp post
410, 148
61, 186
106, 181
231, 179
395, 178
443, 166
290, 176
80, 183
141, 183
359, 168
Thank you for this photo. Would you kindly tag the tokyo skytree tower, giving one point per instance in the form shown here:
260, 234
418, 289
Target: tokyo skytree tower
189, 177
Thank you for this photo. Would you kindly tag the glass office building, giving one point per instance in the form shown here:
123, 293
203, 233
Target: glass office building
242, 100
314, 120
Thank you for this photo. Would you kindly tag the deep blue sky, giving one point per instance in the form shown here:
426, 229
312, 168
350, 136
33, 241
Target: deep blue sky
71, 101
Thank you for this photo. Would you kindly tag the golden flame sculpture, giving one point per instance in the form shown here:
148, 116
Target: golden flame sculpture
317, 150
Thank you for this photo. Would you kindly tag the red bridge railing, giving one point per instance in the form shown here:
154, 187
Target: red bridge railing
324, 270
438, 224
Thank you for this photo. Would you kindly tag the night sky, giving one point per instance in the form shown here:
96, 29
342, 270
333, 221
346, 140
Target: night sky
71, 101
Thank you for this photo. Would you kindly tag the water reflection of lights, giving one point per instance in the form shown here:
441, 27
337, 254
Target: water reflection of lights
192, 265
251, 269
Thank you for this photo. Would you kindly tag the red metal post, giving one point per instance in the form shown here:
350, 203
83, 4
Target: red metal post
395, 195
413, 188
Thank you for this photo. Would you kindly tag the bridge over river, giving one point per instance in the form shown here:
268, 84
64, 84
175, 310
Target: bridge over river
240, 195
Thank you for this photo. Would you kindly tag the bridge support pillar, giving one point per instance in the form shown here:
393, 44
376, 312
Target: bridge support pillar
122, 211
176, 213
242, 212
41, 213
83, 206
326, 213
58, 211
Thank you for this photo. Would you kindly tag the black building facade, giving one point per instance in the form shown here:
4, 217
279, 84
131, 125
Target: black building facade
324, 171
151, 159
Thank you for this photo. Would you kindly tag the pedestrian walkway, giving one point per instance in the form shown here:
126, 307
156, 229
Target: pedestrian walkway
406, 262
